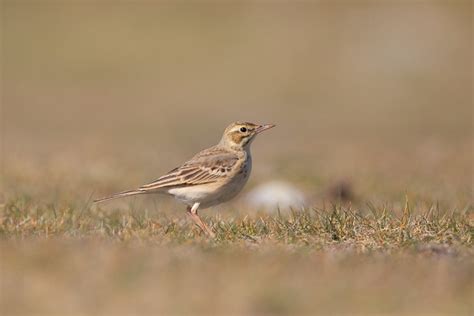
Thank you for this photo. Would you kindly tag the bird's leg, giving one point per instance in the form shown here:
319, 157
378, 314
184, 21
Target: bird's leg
192, 211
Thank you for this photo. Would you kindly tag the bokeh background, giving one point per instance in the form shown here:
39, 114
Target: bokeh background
105, 95
102, 96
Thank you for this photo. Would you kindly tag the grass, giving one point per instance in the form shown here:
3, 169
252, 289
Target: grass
369, 228
338, 260
106, 96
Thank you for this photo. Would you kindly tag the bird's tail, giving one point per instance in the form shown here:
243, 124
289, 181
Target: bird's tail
119, 195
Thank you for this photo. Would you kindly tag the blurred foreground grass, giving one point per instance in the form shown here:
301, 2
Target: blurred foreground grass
103, 96
339, 260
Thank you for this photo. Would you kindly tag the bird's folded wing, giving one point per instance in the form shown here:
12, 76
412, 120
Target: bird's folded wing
204, 168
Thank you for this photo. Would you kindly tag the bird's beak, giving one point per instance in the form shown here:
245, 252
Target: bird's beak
264, 127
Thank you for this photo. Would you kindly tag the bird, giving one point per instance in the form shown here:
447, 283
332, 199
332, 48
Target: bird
211, 177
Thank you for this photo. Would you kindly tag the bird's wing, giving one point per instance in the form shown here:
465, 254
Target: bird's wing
208, 166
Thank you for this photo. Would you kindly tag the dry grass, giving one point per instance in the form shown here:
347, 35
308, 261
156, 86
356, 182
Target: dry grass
366, 229
102, 96
373, 260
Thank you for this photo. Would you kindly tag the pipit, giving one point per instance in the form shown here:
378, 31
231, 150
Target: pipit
213, 176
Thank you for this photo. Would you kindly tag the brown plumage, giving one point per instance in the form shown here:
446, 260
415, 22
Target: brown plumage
212, 176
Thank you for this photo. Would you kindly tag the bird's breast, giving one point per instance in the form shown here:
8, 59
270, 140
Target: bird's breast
237, 181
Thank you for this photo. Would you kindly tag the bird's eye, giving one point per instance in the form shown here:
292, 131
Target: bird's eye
243, 129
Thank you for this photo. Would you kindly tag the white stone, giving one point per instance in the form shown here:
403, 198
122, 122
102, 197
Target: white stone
276, 194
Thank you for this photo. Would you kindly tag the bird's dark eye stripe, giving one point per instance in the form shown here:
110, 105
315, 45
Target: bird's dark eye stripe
243, 129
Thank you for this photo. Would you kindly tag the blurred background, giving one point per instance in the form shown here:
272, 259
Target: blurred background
102, 96
372, 100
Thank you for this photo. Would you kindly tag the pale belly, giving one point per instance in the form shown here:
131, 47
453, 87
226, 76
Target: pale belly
212, 194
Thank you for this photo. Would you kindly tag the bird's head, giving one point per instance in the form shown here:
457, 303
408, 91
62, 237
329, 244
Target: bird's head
239, 135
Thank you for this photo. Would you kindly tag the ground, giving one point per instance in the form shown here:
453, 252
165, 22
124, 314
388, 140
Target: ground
373, 107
